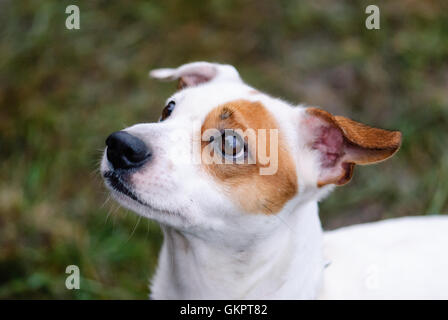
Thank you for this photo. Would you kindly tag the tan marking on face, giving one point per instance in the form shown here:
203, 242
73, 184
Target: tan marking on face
243, 182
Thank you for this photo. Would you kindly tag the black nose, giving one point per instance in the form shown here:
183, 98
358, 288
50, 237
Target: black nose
126, 151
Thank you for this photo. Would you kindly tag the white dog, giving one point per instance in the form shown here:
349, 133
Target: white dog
234, 176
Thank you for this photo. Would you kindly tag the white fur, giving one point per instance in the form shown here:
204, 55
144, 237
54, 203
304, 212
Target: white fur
214, 250
404, 258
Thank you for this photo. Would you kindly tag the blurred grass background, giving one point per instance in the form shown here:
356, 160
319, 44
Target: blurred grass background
63, 91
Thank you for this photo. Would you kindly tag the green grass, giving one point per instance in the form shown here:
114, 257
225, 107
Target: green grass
63, 91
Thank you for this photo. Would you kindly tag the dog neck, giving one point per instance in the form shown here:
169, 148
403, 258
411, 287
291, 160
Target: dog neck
284, 264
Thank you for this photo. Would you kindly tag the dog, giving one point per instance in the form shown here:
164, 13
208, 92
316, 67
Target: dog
234, 177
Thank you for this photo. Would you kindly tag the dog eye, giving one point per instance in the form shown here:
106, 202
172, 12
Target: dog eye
232, 145
167, 110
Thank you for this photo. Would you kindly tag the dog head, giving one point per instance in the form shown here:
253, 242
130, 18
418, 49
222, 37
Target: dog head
226, 156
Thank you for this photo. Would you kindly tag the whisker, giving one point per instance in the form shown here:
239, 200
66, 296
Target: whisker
135, 228
105, 201
111, 212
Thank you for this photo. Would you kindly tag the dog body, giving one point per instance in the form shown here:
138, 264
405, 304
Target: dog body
403, 258
248, 227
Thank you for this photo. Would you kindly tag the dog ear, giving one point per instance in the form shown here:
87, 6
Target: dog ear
192, 74
341, 143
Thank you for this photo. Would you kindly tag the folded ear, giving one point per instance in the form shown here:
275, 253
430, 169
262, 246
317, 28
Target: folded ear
192, 74
341, 143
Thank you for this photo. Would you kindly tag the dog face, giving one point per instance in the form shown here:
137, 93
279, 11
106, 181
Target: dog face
226, 157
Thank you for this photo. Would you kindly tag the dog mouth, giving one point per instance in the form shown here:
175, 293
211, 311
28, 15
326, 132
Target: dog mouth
117, 182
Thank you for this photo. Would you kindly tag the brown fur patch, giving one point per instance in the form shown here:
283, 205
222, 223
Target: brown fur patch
243, 182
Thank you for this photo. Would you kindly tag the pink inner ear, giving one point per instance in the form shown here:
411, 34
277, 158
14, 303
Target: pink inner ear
330, 142
193, 79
